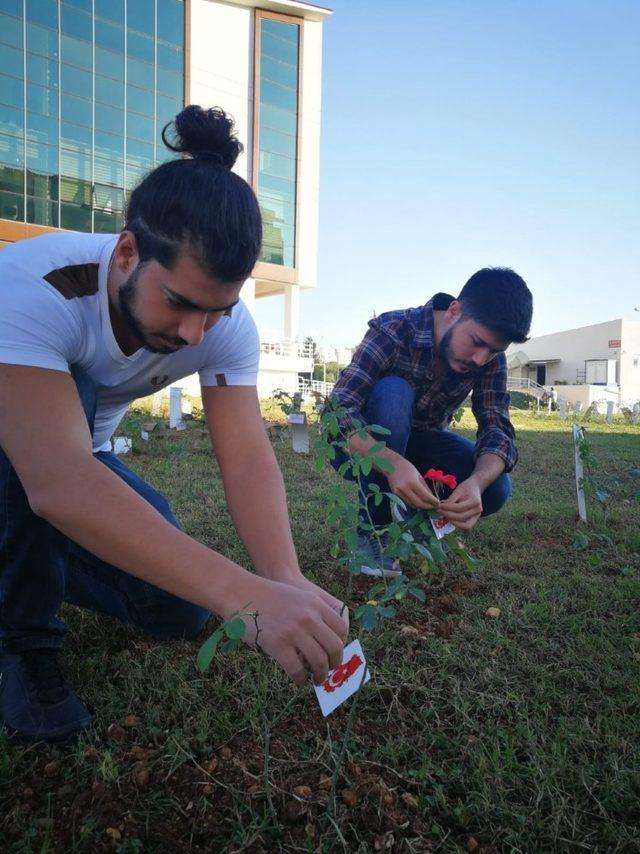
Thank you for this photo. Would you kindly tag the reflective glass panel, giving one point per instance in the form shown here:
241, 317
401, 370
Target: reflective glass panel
141, 16
42, 128
170, 84
42, 40
12, 206
75, 23
13, 7
76, 82
108, 90
42, 211
110, 119
140, 127
107, 223
109, 36
75, 190
167, 109
170, 56
11, 60
76, 52
74, 163
142, 152
42, 186
140, 100
42, 100
109, 171
140, 73
11, 150
76, 110
75, 135
12, 179
107, 198
10, 30
42, 158
109, 145
11, 121
11, 91
109, 63
83, 5
75, 218
171, 21
112, 10
42, 71
43, 12
140, 47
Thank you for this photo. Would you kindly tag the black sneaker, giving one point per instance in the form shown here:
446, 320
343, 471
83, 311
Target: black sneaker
35, 701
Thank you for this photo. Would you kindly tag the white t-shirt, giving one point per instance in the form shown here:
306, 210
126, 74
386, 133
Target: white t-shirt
54, 313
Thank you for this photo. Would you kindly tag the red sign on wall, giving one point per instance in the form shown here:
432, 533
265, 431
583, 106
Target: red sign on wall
614, 343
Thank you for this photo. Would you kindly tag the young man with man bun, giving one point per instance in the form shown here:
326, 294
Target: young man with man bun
89, 323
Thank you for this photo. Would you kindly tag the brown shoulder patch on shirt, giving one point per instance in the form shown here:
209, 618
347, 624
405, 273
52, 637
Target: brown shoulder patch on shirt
76, 280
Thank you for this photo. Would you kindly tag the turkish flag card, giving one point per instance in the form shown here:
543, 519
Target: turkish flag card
441, 527
344, 680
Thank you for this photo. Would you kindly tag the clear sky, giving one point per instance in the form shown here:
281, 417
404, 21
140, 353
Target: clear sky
458, 134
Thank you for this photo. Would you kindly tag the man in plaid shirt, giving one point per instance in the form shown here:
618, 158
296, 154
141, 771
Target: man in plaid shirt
410, 373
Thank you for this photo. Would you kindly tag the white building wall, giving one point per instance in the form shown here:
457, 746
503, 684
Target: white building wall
221, 73
630, 361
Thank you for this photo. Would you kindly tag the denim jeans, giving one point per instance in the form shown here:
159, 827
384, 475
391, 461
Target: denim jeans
40, 567
390, 405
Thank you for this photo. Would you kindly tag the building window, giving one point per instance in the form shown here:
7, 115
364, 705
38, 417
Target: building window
277, 77
85, 89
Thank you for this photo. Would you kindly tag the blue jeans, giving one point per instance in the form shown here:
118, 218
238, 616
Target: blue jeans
40, 567
390, 405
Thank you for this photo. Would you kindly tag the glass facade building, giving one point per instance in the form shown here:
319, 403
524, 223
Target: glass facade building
277, 136
85, 89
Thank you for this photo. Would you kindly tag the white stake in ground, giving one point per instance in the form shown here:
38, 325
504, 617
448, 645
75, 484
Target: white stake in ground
175, 409
299, 432
610, 405
578, 437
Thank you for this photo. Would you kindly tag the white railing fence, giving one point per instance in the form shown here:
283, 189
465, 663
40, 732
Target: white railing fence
314, 386
287, 347
525, 384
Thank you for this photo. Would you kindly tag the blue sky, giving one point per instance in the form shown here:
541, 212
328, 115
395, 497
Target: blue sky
464, 133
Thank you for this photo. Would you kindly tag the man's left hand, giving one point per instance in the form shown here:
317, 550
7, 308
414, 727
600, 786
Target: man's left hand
463, 507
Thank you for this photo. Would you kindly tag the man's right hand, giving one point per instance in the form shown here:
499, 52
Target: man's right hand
408, 484
297, 628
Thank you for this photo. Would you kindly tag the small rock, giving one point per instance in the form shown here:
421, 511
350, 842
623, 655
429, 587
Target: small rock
131, 721
408, 799
207, 789
139, 753
52, 768
142, 778
472, 739
324, 783
410, 632
349, 797
294, 811
472, 844
90, 752
114, 834
116, 733
210, 765
384, 843
226, 753
487, 849
494, 613
302, 792
310, 830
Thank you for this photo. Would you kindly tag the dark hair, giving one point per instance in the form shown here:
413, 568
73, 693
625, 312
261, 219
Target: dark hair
499, 299
197, 201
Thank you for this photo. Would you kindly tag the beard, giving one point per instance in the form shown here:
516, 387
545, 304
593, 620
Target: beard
448, 356
127, 297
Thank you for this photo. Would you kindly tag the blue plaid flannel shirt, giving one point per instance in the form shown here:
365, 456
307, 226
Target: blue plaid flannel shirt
400, 343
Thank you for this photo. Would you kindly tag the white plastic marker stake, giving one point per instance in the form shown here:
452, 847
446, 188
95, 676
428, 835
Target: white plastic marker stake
299, 432
175, 407
578, 436
345, 680
609, 411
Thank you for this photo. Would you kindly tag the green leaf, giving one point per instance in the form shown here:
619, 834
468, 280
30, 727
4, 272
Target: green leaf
208, 650
365, 467
423, 550
378, 430
581, 541
418, 593
235, 629
335, 548
369, 618
229, 646
387, 611
373, 487
375, 448
384, 465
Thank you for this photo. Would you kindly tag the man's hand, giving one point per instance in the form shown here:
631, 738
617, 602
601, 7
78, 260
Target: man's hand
298, 628
408, 484
463, 507
302, 583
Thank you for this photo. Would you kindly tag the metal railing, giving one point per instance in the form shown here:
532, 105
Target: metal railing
314, 386
287, 347
523, 383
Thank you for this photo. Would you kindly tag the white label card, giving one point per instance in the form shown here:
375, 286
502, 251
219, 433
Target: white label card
344, 681
441, 527
296, 418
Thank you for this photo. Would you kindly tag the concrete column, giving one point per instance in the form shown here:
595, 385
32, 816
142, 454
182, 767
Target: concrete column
291, 311
248, 295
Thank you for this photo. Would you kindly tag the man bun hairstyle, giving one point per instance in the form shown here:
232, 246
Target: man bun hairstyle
499, 299
196, 202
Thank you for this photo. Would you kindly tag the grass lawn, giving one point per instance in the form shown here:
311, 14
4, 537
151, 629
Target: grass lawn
511, 734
